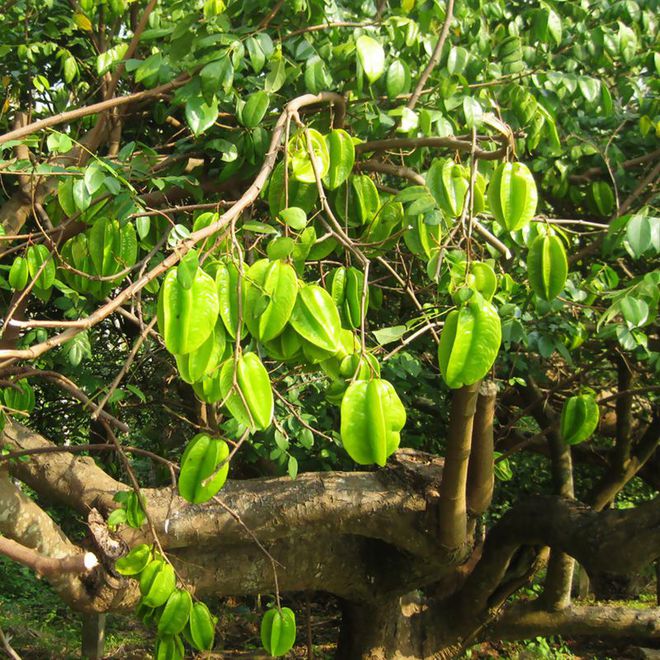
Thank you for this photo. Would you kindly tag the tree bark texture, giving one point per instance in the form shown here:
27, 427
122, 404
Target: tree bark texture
369, 538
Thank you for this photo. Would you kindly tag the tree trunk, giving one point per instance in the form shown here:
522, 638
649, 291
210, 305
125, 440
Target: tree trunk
93, 636
390, 629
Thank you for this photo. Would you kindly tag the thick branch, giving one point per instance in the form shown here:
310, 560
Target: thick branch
73, 480
609, 541
481, 477
95, 108
48, 567
525, 622
39, 542
452, 505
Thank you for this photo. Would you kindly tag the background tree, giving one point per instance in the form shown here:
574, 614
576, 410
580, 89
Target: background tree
286, 239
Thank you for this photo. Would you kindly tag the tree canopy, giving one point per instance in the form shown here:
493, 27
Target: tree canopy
299, 284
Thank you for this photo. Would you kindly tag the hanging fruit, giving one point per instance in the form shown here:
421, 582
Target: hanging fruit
270, 295
372, 417
547, 266
469, 342
278, 631
250, 399
315, 318
186, 317
512, 195
579, 418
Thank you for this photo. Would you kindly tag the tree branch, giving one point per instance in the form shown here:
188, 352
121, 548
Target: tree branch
457, 144
452, 530
435, 57
613, 541
95, 108
34, 540
247, 199
481, 477
523, 621
48, 567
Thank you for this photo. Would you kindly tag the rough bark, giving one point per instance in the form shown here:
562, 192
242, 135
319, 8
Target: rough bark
23, 522
524, 622
370, 538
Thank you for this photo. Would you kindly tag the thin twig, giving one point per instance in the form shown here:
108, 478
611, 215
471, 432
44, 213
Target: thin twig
435, 57
125, 367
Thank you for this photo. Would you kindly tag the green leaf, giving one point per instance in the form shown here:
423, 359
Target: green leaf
388, 335
280, 248
94, 177
294, 217
371, 57
642, 235
590, 88
634, 311
217, 74
254, 109
397, 79
256, 53
199, 115
554, 26
69, 69
59, 143
149, 68
341, 151
472, 111
106, 60
77, 348
457, 60
276, 76
41, 266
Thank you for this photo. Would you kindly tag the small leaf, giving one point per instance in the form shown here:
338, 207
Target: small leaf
254, 109
292, 467
473, 112
388, 335
294, 217
457, 60
82, 22
590, 88
280, 248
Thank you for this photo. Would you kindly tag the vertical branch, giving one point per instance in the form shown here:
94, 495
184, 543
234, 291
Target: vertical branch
452, 506
435, 57
559, 579
624, 420
481, 476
